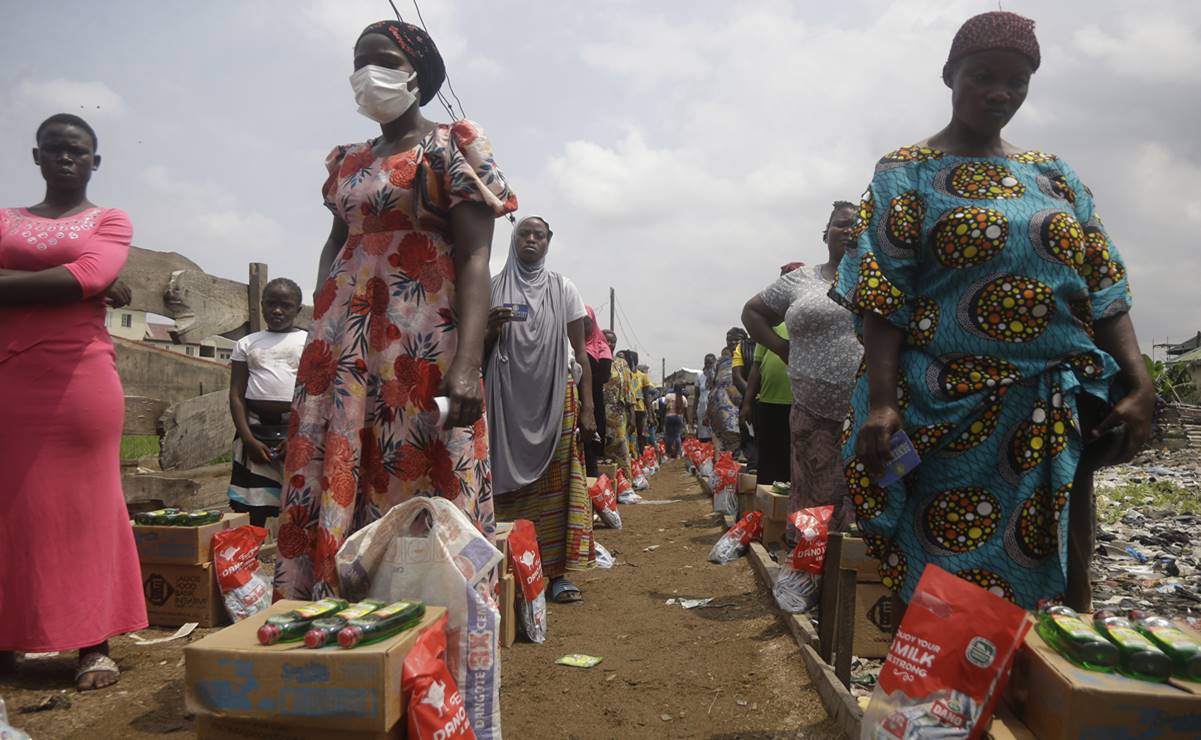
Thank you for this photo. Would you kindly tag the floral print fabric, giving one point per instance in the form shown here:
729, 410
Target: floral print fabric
383, 335
995, 269
619, 403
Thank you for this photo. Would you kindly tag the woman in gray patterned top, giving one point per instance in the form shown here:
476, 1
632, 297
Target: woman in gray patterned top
822, 354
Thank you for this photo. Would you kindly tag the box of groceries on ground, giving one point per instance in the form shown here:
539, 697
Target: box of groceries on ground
171, 536
312, 663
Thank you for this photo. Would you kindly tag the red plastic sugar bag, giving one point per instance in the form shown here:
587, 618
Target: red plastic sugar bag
725, 485
604, 502
245, 590
623, 485
948, 663
737, 539
798, 585
527, 567
640, 483
436, 708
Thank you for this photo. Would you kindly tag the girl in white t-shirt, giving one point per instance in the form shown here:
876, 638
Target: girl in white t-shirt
262, 377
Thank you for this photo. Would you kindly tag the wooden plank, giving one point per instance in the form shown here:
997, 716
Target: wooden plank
762, 564
840, 705
146, 273
159, 490
254, 295
142, 414
845, 639
203, 305
827, 623
196, 431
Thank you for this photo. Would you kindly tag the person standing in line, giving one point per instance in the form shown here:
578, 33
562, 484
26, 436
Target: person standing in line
262, 380
770, 389
538, 383
996, 329
704, 385
69, 572
600, 360
675, 410
398, 319
821, 352
725, 400
619, 407
645, 390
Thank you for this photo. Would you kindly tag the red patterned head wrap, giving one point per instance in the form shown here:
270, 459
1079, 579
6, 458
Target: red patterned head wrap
419, 48
999, 29
790, 266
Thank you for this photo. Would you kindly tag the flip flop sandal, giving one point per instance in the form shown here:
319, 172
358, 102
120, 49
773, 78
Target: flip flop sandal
95, 663
563, 591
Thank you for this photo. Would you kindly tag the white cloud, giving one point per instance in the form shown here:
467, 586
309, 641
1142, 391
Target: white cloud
1153, 48
92, 100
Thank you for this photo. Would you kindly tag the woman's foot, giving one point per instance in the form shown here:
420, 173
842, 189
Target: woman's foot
96, 670
563, 591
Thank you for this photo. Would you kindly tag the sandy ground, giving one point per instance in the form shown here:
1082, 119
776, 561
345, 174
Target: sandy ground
727, 671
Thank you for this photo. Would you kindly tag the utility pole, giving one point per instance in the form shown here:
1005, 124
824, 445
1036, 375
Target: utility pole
612, 307
663, 374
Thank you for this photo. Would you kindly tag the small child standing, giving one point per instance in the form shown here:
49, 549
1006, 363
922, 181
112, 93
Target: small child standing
262, 372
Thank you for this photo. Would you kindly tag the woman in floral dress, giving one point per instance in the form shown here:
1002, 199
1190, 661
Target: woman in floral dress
725, 400
398, 319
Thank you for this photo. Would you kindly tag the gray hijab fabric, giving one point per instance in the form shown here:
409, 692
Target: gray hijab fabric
526, 377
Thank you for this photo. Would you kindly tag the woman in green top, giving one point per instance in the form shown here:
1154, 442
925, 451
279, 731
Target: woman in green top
770, 385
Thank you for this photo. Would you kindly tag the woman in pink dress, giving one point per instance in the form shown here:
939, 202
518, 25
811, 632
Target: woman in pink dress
399, 317
69, 573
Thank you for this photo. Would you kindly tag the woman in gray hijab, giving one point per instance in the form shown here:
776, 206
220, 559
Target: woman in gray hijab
536, 356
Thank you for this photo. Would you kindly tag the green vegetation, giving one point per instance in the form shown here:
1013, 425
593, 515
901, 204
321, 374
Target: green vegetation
1161, 494
136, 446
1172, 382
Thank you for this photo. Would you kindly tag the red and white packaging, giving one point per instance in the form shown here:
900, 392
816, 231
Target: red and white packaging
623, 484
526, 560
725, 485
640, 482
604, 502
436, 710
948, 663
244, 589
737, 539
798, 586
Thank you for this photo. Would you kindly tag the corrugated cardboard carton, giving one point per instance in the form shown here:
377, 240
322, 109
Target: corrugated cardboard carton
508, 610
875, 623
773, 505
182, 545
747, 483
221, 728
1055, 699
176, 594
230, 675
609, 469
503, 530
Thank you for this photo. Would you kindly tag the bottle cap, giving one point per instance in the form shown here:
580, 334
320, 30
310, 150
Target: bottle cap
348, 637
268, 634
314, 638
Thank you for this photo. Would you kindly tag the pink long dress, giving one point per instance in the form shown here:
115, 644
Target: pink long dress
69, 574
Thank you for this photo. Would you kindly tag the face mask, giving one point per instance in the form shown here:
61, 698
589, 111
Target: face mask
382, 94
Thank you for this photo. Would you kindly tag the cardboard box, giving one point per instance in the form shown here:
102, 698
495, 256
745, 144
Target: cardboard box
1056, 699
223, 728
229, 675
609, 469
508, 610
503, 530
773, 505
176, 594
182, 545
875, 622
1005, 726
746, 503
747, 483
773, 531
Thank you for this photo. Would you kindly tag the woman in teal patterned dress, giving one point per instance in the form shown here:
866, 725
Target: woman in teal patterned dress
995, 314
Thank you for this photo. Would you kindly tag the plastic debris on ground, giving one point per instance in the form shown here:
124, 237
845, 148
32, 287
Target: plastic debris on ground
690, 603
182, 632
576, 660
7, 731
604, 559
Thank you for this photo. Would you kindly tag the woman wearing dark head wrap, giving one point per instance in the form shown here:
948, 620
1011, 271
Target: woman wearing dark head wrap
996, 330
398, 319
535, 361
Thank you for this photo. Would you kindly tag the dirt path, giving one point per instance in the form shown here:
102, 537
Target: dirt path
727, 672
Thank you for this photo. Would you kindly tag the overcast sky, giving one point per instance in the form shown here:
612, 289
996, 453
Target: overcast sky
681, 149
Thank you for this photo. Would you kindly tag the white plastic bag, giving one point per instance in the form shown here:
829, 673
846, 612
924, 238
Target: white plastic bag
731, 545
604, 559
7, 731
427, 549
798, 586
526, 561
245, 589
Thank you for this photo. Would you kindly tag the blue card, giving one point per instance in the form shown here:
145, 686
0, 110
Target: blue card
902, 458
521, 311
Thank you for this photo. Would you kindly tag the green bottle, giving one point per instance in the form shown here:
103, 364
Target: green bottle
382, 623
291, 625
201, 518
1139, 657
156, 518
1075, 639
324, 631
1183, 650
